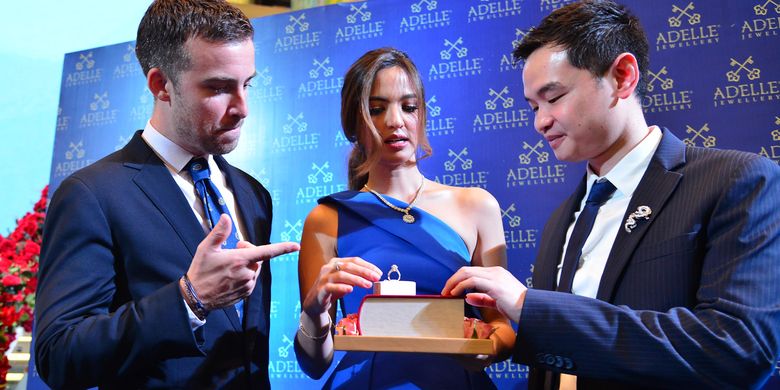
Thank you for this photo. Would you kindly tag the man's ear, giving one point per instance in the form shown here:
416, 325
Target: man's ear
158, 84
625, 70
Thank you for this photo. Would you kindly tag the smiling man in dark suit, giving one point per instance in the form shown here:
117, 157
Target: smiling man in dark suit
661, 270
149, 276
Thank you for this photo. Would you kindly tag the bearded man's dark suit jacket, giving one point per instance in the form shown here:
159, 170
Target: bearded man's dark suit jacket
689, 298
118, 236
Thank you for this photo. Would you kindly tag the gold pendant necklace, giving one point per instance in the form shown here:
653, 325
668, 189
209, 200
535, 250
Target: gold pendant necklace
408, 218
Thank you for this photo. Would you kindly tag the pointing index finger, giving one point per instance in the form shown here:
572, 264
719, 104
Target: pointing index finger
267, 252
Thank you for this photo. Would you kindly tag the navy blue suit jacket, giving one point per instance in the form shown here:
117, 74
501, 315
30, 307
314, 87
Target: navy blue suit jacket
118, 236
689, 298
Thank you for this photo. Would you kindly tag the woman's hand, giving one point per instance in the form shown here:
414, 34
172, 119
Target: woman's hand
336, 279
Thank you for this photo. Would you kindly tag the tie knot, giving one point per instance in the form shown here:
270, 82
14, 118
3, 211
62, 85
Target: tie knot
199, 169
600, 192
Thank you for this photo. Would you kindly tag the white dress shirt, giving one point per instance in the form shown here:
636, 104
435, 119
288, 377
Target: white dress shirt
625, 176
175, 159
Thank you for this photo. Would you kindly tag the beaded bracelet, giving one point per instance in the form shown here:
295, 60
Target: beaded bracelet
199, 309
324, 335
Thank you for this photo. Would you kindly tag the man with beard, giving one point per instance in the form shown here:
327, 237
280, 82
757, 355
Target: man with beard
149, 273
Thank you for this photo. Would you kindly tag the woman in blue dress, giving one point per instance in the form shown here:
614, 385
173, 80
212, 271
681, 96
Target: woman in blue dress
391, 215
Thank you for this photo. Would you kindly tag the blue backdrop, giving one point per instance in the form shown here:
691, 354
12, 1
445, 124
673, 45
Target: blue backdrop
714, 80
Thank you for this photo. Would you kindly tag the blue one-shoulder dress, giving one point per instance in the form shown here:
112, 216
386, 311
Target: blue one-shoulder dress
428, 252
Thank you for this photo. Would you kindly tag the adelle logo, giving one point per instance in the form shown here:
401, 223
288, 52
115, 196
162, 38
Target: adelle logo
507, 370
515, 236
292, 231
359, 25
425, 15
551, 5
772, 151
141, 110
766, 24
459, 171
297, 35
62, 120
686, 30
74, 159
507, 62
295, 136
340, 140
128, 67
320, 80
662, 95
745, 86
282, 364
500, 113
100, 113
266, 91
535, 167
85, 72
455, 62
438, 125
699, 137
320, 182
493, 9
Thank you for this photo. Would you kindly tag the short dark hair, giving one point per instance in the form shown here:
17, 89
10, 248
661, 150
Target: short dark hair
355, 115
593, 33
168, 24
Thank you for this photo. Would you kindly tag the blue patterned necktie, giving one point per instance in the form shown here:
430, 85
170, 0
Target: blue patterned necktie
599, 193
214, 205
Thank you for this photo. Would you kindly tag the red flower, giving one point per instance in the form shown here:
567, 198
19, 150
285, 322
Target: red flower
11, 280
19, 254
8, 317
32, 248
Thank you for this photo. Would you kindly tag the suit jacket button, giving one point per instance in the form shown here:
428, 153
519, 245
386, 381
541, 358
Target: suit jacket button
558, 362
549, 359
568, 364
540, 357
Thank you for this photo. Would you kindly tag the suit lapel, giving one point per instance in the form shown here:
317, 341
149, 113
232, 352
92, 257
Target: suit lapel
546, 265
155, 180
655, 188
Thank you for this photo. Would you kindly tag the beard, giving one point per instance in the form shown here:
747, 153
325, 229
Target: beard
202, 138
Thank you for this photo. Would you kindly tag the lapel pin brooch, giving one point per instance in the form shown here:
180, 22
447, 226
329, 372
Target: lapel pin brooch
642, 212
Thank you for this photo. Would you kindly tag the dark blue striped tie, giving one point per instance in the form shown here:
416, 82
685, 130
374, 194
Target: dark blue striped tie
599, 193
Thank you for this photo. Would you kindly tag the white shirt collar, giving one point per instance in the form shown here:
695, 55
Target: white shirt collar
628, 172
173, 155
